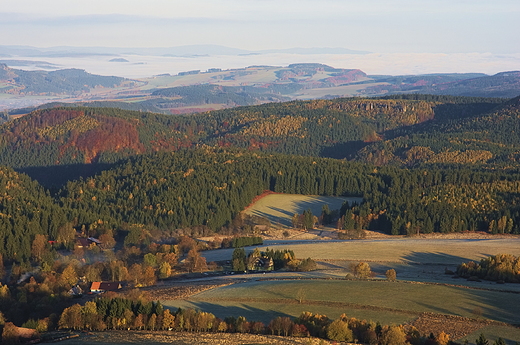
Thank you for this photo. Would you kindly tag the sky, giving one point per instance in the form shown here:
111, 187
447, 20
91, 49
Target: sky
382, 26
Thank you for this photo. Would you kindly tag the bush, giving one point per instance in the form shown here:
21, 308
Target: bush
362, 270
391, 275
338, 330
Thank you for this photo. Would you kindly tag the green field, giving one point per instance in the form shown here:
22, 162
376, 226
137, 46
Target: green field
265, 311
418, 262
279, 208
386, 298
508, 333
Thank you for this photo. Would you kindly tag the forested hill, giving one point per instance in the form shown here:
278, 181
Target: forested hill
472, 137
207, 188
70, 81
336, 128
26, 210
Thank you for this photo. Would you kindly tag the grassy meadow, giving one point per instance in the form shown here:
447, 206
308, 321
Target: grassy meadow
420, 264
394, 301
508, 333
280, 208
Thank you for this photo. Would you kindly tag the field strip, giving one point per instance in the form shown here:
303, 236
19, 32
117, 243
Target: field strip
454, 325
185, 290
380, 281
308, 302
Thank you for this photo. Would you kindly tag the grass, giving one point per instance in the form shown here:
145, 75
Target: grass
392, 251
265, 311
339, 91
379, 296
508, 333
415, 259
280, 208
417, 251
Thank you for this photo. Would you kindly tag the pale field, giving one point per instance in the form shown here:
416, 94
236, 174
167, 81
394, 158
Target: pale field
420, 263
391, 251
338, 91
280, 208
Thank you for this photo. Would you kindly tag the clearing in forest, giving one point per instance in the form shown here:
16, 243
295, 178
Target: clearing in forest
280, 208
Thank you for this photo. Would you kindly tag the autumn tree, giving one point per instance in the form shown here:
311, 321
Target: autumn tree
66, 234
194, 262
338, 330
10, 334
71, 318
393, 335
362, 270
165, 270
152, 322
107, 239
168, 319
38, 247
444, 339
68, 277
391, 275
300, 295
149, 277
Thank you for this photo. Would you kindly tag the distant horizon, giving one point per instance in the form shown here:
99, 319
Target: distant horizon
396, 26
150, 61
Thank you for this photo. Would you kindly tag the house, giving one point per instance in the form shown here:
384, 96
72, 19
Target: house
262, 264
100, 287
82, 242
76, 291
94, 240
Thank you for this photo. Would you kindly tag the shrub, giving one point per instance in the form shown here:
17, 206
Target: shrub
391, 275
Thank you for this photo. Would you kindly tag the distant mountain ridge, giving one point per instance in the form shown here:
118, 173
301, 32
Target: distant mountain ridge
198, 91
20, 82
186, 50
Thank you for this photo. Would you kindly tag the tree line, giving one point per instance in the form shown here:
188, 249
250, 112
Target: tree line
135, 312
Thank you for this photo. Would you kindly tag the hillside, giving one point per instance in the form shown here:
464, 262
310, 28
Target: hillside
474, 137
66, 81
504, 84
450, 162
198, 91
404, 130
154, 195
27, 210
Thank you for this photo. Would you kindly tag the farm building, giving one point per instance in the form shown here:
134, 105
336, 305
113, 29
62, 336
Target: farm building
100, 287
82, 242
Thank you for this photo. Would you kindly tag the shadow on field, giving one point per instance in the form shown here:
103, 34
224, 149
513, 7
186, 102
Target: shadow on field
287, 213
285, 221
435, 258
436, 309
494, 305
240, 309
315, 203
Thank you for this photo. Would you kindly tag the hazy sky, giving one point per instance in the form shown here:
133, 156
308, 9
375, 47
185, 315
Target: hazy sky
439, 26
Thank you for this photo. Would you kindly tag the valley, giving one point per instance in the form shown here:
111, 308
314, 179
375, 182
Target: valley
198, 91
419, 191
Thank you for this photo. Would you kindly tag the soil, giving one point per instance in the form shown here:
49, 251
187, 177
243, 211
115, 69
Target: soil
182, 290
455, 326
183, 338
